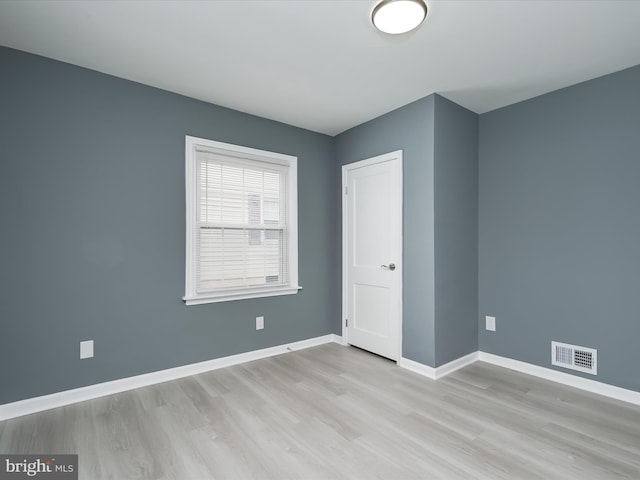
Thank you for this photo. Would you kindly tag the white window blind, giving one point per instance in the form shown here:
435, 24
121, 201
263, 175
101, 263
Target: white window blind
237, 245
242, 230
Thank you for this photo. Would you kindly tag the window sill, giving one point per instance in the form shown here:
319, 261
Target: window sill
230, 296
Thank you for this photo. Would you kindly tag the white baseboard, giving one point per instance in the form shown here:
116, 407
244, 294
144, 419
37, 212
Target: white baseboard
568, 379
592, 386
457, 364
442, 370
46, 402
417, 367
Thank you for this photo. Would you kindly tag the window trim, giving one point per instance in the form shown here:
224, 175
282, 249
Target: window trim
191, 296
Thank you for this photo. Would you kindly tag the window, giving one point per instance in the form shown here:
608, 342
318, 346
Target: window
242, 237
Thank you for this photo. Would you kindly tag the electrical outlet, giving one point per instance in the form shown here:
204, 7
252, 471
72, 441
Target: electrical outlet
259, 323
86, 349
490, 323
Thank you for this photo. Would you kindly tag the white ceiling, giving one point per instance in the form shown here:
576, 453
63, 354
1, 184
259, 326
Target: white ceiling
319, 64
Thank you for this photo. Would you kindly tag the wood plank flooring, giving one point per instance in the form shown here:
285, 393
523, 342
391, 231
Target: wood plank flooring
334, 412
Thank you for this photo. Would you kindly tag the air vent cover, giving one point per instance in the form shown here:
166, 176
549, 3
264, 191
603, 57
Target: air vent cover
582, 359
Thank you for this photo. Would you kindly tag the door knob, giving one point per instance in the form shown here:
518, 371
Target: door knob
391, 266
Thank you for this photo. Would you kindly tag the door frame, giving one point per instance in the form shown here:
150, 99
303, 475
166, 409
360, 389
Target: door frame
395, 155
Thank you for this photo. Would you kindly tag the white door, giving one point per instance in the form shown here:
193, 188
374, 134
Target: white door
372, 254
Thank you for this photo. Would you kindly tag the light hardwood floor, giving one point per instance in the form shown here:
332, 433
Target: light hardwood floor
334, 412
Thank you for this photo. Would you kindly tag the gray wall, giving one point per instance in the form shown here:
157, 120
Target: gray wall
559, 238
439, 140
409, 129
92, 245
456, 230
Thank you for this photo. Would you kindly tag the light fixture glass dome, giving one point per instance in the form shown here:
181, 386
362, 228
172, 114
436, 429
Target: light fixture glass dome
398, 16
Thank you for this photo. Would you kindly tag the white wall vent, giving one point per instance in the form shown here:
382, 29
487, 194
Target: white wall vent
576, 358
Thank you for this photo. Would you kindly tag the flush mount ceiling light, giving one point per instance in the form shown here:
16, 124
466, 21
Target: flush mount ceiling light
398, 16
